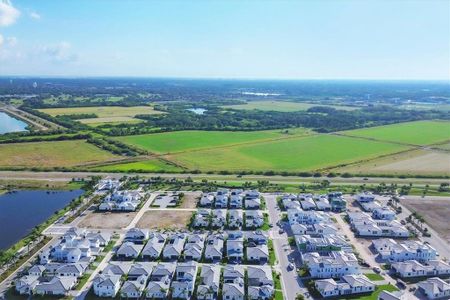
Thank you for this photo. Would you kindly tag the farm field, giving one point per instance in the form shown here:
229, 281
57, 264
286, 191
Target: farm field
423, 162
295, 154
283, 106
435, 212
416, 133
171, 142
52, 154
151, 165
105, 114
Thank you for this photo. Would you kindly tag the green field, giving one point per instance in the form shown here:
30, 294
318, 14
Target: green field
152, 165
416, 133
178, 141
52, 154
294, 154
105, 114
283, 106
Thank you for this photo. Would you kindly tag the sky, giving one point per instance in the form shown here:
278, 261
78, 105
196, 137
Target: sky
341, 39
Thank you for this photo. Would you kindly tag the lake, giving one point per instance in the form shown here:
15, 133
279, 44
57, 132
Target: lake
21, 211
10, 124
198, 111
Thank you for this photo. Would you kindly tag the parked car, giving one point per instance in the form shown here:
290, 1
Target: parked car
377, 270
290, 267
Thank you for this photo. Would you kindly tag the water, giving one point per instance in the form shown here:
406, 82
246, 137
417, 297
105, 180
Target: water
198, 111
21, 211
10, 124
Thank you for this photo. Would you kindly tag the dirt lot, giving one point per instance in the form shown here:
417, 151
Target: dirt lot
190, 199
107, 220
435, 212
164, 219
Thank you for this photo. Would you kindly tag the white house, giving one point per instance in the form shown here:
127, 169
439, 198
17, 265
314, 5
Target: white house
214, 247
55, 286
365, 197
335, 264
349, 284
390, 250
106, 285
413, 268
129, 250
219, 218
210, 282
235, 218
174, 246
154, 246
384, 213
434, 288
26, 284
258, 254
193, 248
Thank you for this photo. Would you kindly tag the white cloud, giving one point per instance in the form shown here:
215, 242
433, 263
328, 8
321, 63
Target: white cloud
11, 41
8, 13
34, 15
2, 39
60, 52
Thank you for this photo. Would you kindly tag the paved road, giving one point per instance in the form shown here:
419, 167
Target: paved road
290, 281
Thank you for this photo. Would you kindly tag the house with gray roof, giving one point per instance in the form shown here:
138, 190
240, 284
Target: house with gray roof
129, 250
117, 268
257, 237
258, 254
140, 269
106, 285
154, 247
259, 275
435, 288
159, 284
235, 218
235, 250
233, 272
207, 200
210, 282
348, 284
202, 218
264, 292
134, 288
137, 235
71, 270
183, 285
221, 199
234, 290
254, 219
193, 249
55, 286
174, 246
26, 284
214, 247
219, 218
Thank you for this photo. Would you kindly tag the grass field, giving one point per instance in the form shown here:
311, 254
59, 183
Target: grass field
416, 133
283, 106
105, 114
51, 154
152, 165
423, 162
178, 141
294, 154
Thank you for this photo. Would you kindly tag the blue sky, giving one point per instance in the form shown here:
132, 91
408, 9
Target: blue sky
362, 39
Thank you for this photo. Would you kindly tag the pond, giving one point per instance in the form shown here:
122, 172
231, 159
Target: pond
21, 211
198, 111
10, 124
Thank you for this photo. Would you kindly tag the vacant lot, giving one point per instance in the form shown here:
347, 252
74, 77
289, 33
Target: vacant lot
171, 142
416, 133
152, 165
283, 106
423, 162
107, 220
295, 154
190, 199
164, 219
105, 114
435, 212
52, 154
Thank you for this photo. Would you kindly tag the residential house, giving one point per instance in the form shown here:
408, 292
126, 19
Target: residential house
219, 218
138, 270
231, 273
159, 284
183, 285
207, 200
328, 243
390, 250
322, 203
258, 254
117, 268
233, 291
435, 288
349, 284
154, 246
235, 218
128, 250
174, 246
136, 235
235, 201
259, 276
55, 286
307, 202
365, 197
337, 202
307, 217
26, 284
202, 218
210, 282
333, 265
383, 213
413, 268
214, 247
254, 219
134, 288
221, 199
193, 248
253, 203
395, 295
257, 237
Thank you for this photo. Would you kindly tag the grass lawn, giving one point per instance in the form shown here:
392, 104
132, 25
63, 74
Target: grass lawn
272, 256
374, 276
374, 295
152, 165
279, 295
294, 154
177, 141
105, 114
417, 133
52, 154
283, 106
